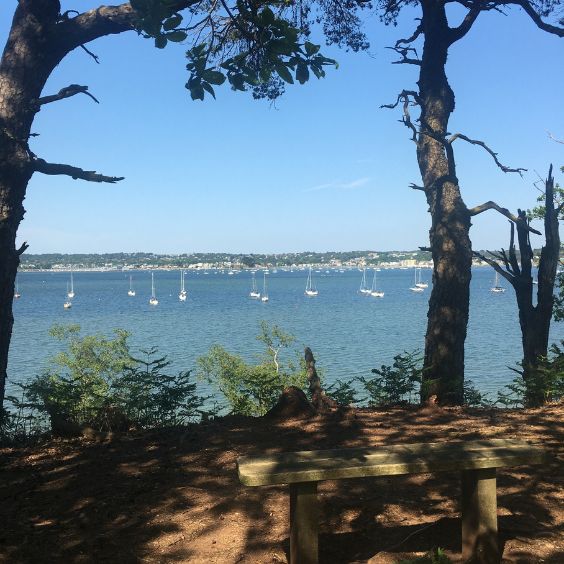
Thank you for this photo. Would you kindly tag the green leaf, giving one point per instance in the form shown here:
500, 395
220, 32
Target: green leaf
213, 77
267, 16
302, 73
311, 49
197, 92
177, 36
172, 22
237, 81
318, 72
284, 73
209, 88
160, 41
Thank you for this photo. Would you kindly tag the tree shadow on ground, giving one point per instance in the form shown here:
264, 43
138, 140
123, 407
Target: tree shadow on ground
173, 495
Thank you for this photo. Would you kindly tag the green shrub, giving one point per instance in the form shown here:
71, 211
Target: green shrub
400, 383
395, 384
96, 383
252, 389
546, 381
343, 393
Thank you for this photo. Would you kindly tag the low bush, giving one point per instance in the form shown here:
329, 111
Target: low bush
96, 382
252, 389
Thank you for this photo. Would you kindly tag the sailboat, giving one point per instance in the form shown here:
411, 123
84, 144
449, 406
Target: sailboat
68, 303
17, 292
70, 293
416, 287
131, 291
363, 288
264, 297
373, 292
153, 300
421, 284
497, 289
254, 293
183, 294
310, 289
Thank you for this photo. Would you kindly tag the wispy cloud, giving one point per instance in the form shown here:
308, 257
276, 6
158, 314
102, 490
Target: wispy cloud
340, 185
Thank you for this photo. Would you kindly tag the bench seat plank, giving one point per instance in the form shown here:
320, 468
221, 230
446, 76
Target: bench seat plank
314, 466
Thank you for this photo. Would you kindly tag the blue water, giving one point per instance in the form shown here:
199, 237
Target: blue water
349, 333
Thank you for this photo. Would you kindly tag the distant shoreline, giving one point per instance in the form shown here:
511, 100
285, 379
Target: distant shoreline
112, 262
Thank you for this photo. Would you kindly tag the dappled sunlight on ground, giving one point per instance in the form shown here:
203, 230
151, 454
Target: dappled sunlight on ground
174, 496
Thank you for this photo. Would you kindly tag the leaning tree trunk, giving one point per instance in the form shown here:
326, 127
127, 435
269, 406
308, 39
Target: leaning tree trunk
443, 371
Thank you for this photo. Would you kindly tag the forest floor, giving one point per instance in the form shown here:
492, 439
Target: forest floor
174, 496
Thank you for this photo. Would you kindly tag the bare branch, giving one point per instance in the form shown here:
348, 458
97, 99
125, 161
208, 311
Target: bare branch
405, 60
40, 165
426, 249
535, 16
507, 275
418, 31
504, 168
66, 92
550, 136
405, 95
503, 211
22, 249
417, 187
88, 52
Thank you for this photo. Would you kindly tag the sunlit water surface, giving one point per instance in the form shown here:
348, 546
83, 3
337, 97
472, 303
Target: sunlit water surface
349, 333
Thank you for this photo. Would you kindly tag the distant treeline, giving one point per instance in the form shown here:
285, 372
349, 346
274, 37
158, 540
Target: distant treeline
140, 260
221, 260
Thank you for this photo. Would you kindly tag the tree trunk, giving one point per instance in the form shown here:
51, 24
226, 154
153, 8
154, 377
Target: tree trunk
535, 320
443, 370
27, 61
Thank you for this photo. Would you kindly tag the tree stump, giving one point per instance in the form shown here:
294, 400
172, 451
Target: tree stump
292, 404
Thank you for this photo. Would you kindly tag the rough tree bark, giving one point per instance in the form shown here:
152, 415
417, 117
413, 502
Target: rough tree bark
449, 238
450, 245
39, 39
533, 319
320, 401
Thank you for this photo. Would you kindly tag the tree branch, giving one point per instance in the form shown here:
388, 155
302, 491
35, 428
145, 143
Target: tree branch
40, 165
418, 31
88, 52
535, 16
507, 275
550, 136
504, 168
417, 187
22, 249
503, 211
405, 60
468, 21
66, 92
406, 120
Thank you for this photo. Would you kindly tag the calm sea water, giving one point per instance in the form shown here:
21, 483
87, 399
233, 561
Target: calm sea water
349, 333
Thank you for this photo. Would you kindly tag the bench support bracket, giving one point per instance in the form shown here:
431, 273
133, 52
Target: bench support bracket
304, 519
479, 517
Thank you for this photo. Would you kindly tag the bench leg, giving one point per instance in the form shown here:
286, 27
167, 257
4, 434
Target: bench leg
304, 523
479, 517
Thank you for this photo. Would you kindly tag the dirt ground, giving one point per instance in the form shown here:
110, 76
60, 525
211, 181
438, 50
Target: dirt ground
174, 496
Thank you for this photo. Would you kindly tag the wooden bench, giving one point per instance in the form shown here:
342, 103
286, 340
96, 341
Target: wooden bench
477, 461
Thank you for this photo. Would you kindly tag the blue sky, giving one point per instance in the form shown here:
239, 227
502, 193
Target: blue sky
326, 169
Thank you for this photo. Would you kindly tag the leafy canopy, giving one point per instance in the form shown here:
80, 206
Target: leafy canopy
259, 46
